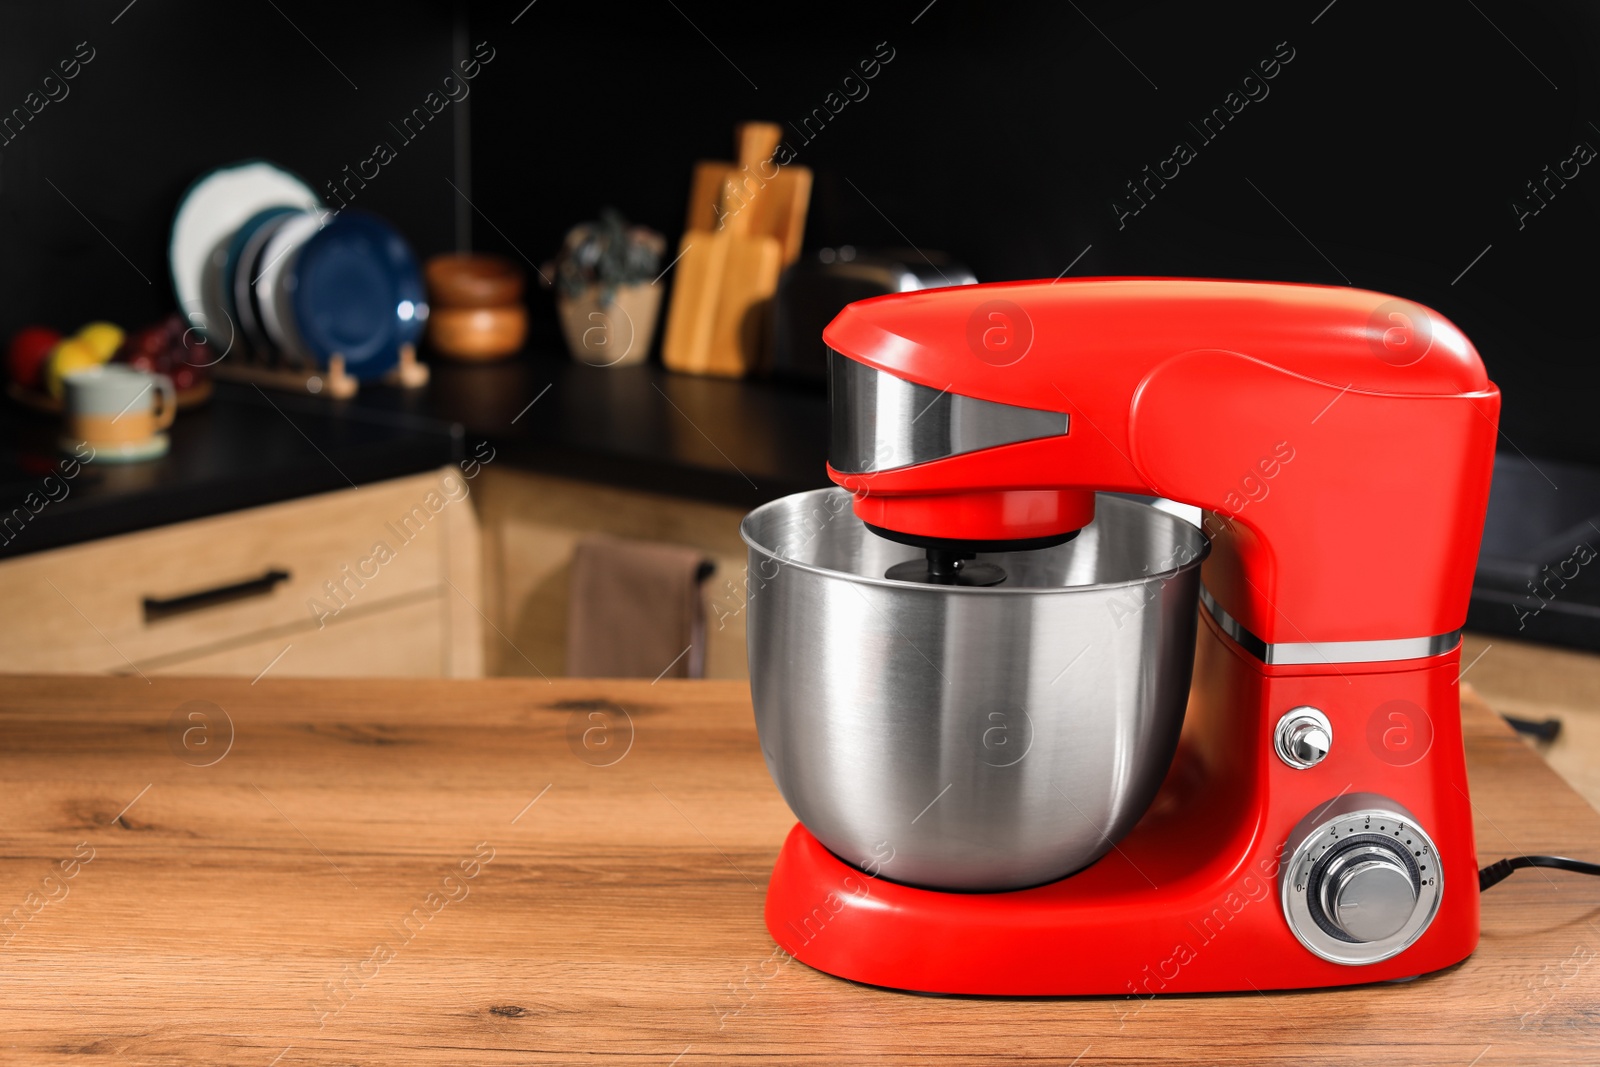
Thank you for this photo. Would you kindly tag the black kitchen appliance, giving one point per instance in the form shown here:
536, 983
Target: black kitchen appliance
816, 287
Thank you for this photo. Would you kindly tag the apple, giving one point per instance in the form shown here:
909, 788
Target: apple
30, 347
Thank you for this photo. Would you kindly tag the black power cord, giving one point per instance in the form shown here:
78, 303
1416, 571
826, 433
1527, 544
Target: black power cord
1546, 730
1500, 870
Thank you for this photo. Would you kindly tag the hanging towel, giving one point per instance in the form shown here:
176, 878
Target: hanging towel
634, 610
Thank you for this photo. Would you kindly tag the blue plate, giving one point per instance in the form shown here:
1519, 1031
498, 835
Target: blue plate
357, 292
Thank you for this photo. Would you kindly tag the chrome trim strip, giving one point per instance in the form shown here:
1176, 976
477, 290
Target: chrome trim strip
1312, 653
881, 422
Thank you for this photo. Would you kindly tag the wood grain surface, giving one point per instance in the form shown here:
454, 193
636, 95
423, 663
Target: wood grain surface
427, 871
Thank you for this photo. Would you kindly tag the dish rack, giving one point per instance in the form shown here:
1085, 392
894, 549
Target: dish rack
334, 380
313, 301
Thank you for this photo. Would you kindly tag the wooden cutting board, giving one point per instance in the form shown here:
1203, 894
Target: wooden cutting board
727, 273
686, 344
779, 204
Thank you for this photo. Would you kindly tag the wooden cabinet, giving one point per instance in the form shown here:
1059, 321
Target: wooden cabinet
379, 580
532, 523
404, 640
383, 580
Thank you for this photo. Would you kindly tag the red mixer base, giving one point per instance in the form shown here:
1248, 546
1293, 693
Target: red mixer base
1106, 931
1187, 902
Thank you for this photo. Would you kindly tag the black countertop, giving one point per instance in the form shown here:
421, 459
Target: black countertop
740, 443
242, 449
735, 442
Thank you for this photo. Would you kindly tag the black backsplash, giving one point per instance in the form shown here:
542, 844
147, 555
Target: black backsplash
1387, 148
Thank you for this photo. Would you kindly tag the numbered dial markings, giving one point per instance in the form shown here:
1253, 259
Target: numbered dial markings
1362, 882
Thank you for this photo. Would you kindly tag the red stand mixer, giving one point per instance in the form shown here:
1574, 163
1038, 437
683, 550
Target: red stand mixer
1310, 825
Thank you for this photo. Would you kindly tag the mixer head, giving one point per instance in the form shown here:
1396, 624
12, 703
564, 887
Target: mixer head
881, 422
885, 423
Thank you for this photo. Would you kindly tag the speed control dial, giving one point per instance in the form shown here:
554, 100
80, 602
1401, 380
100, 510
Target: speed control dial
1362, 880
1368, 891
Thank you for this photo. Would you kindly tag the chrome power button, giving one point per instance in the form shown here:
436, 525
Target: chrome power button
1303, 737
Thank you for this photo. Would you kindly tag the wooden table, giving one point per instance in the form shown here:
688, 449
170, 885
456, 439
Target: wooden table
429, 872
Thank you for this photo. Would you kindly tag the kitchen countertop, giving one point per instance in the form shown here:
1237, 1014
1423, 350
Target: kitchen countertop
289, 903
242, 449
740, 442
1539, 682
640, 427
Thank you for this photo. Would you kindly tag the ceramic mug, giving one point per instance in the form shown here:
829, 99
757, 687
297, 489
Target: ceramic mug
113, 405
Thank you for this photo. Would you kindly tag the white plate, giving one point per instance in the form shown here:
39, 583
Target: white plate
213, 321
207, 215
273, 292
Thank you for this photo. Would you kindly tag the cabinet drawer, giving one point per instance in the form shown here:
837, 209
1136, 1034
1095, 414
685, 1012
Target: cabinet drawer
149, 595
397, 642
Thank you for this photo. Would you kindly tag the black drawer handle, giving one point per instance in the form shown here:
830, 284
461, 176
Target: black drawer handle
156, 608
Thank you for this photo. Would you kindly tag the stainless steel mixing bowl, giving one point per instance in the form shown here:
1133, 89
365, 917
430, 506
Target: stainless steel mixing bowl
960, 737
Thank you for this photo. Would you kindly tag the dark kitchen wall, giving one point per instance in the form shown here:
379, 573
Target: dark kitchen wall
1387, 152
1388, 148
173, 88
